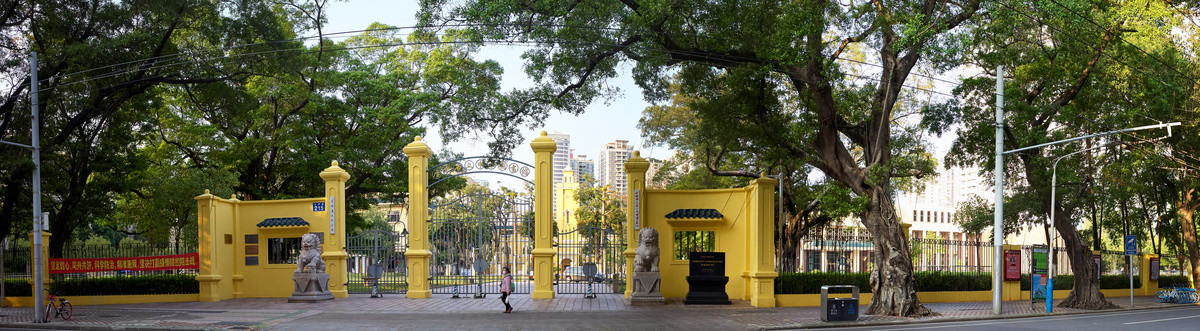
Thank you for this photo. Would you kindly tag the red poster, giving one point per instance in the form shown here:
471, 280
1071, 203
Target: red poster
1154, 265
1012, 265
161, 262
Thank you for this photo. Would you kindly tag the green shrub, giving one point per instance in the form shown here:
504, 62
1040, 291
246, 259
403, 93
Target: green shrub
1164, 281
17, 287
127, 285
934, 281
811, 282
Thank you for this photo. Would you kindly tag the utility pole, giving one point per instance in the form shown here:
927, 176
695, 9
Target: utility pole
998, 223
38, 298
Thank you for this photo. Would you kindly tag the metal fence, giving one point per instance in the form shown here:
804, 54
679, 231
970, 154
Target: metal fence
124, 282
844, 254
856, 253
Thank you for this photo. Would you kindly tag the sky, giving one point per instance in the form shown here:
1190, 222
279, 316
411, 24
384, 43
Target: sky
601, 123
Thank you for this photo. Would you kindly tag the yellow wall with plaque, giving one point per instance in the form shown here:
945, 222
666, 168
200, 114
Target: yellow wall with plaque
245, 245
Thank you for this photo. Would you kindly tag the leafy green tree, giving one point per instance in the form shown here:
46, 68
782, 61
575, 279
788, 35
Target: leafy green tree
102, 65
767, 70
1076, 68
600, 218
162, 208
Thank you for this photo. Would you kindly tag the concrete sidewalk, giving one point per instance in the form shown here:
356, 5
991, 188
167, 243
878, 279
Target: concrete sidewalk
442, 312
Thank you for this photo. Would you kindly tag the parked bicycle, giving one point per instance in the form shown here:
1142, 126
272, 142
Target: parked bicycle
1177, 293
59, 306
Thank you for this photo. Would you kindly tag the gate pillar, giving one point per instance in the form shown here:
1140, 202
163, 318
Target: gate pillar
418, 254
635, 176
543, 250
334, 247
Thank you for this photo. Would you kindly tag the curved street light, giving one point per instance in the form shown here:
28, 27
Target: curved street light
1050, 221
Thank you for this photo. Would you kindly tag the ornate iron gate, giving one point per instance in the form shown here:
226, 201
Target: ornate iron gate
591, 261
473, 236
377, 262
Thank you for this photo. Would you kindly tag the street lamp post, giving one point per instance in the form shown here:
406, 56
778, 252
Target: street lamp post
998, 226
1050, 223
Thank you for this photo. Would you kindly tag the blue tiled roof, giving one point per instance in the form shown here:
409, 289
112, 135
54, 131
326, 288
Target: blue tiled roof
695, 213
282, 221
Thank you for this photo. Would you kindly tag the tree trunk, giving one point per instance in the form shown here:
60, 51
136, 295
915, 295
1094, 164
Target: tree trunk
1187, 211
1086, 294
892, 281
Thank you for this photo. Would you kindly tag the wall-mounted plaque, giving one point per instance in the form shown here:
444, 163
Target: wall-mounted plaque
252, 239
251, 260
251, 249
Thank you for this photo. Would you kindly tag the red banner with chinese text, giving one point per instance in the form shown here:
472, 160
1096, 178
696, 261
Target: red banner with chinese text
161, 262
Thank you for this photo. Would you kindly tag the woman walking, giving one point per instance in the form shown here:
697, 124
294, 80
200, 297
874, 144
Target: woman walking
506, 289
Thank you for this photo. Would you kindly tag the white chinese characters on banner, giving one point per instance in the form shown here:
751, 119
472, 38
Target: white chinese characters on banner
637, 209
332, 216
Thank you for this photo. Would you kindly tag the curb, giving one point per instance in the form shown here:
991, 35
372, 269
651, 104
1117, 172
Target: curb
47, 326
827, 325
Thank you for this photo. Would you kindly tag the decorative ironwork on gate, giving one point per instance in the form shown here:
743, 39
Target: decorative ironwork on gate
483, 165
591, 261
473, 236
376, 259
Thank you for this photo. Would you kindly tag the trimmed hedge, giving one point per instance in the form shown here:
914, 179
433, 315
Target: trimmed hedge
811, 282
127, 285
927, 281
17, 287
1164, 281
936, 281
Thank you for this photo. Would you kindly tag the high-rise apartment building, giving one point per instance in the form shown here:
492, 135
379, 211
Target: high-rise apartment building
562, 155
610, 165
583, 168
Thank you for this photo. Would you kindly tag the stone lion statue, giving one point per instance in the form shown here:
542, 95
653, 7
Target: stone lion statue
310, 254
647, 251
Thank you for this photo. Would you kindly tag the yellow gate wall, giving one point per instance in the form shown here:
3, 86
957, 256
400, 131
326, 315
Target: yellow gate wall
224, 224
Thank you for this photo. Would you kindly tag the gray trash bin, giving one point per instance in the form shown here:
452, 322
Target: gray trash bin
839, 309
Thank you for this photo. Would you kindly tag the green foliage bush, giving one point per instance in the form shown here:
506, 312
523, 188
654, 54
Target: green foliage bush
17, 287
127, 285
1164, 281
935, 281
811, 282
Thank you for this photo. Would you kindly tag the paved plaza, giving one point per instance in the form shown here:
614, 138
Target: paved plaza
442, 312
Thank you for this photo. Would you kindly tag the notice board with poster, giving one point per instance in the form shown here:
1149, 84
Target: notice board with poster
1012, 264
1154, 266
1039, 267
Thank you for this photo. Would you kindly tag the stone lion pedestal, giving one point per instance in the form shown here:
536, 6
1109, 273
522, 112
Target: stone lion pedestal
310, 287
310, 278
646, 289
646, 279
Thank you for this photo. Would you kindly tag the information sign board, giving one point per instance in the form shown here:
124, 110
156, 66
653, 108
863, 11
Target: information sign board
1012, 264
1131, 244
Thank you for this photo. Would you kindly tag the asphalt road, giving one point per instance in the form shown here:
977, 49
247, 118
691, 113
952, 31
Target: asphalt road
1184, 318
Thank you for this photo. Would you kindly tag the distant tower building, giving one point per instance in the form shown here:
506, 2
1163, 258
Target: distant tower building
583, 168
611, 165
561, 156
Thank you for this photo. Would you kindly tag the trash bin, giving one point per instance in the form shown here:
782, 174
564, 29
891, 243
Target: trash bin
839, 309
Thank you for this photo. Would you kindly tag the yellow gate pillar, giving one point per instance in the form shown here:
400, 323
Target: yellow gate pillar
418, 254
760, 239
334, 249
543, 202
635, 177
